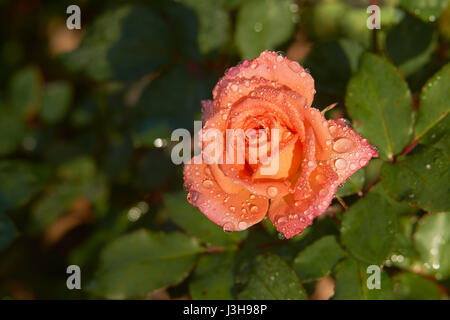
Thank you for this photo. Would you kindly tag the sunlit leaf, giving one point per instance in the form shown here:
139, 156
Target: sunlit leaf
368, 228
380, 104
421, 178
434, 101
432, 239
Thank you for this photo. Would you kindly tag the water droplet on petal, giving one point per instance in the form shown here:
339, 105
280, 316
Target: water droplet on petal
242, 225
207, 183
281, 221
343, 145
232, 209
294, 66
340, 164
272, 191
228, 227
254, 209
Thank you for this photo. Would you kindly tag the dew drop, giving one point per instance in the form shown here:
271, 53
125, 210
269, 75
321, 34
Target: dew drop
207, 184
254, 209
272, 191
294, 66
228, 227
258, 27
332, 129
242, 225
340, 164
363, 162
232, 209
343, 145
281, 221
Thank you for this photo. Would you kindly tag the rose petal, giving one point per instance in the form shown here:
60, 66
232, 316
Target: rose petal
232, 211
350, 150
314, 191
275, 68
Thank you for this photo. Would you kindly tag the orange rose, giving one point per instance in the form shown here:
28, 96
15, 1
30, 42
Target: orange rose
315, 155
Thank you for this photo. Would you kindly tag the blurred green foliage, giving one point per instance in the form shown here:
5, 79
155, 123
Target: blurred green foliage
85, 170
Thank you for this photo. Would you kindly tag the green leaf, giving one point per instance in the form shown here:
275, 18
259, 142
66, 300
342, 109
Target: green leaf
143, 261
385, 292
25, 90
194, 222
263, 25
348, 281
8, 231
124, 43
434, 101
332, 64
405, 246
352, 282
19, 181
380, 104
411, 43
56, 100
54, 204
79, 169
170, 101
410, 286
268, 277
368, 229
213, 277
426, 10
421, 178
317, 260
12, 129
432, 239
214, 22
439, 132
353, 185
